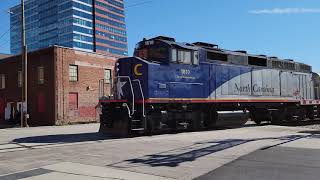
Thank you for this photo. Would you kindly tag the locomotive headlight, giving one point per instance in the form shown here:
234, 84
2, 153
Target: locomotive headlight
117, 68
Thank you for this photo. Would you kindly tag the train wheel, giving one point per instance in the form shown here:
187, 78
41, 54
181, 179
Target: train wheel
310, 113
255, 118
276, 121
277, 117
149, 130
258, 122
302, 115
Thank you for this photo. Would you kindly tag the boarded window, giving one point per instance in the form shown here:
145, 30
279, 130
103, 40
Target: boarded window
40, 75
20, 79
73, 73
41, 103
107, 76
2, 81
73, 101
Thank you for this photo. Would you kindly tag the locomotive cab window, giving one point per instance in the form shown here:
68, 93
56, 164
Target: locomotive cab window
174, 57
159, 54
184, 56
155, 53
196, 57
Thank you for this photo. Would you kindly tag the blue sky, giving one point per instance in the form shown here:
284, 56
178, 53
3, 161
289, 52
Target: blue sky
283, 28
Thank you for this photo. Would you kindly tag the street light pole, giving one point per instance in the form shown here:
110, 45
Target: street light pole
24, 98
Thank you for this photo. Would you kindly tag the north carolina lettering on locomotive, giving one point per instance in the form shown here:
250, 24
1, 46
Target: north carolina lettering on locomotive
254, 88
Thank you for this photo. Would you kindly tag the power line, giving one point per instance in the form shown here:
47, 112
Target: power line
138, 4
5, 33
6, 11
5, 43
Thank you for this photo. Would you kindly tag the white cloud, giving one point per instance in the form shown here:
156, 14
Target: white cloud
285, 11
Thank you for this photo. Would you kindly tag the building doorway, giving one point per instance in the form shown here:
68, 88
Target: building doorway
2, 109
13, 112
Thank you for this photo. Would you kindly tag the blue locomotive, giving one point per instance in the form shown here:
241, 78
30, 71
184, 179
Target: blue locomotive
171, 86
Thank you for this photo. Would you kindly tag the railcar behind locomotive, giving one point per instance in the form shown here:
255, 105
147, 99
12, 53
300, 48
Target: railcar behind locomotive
171, 86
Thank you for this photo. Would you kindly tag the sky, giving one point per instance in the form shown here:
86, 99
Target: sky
288, 29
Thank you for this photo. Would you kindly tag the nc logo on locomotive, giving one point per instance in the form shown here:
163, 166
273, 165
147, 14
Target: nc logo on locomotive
136, 70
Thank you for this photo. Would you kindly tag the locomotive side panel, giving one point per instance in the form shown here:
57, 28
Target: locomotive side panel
257, 81
245, 79
231, 81
266, 83
178, 81
311, 86
239, 82
305, 84
316, 85
275, 80
286, 81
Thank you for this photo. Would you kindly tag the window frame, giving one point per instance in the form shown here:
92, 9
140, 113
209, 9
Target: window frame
40, 72
107, 81
194, 55
73, 76
154, 49
184, 52
174, 54
2, 81
20, 79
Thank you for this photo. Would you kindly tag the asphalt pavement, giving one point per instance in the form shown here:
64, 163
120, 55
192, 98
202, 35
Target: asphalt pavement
79, 152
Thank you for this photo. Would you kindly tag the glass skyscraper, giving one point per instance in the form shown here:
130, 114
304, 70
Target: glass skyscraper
89, 25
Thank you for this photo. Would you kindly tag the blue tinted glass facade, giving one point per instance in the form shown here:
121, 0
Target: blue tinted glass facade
90, 25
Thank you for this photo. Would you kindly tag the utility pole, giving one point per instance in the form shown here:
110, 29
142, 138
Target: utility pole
24, 97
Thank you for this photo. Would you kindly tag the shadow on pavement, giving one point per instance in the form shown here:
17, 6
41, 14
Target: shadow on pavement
7, 126
64, 138
173, 158
313, 132
301, 123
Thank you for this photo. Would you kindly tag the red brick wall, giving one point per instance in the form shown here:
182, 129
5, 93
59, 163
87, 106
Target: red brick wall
12, 93
48, 103
90, 70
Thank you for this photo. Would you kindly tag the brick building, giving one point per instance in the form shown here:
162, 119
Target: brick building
2, 56
63, 85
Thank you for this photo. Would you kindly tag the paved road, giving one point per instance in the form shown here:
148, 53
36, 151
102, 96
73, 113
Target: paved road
78, 152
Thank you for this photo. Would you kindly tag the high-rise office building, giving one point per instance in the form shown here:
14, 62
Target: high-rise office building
89, 25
